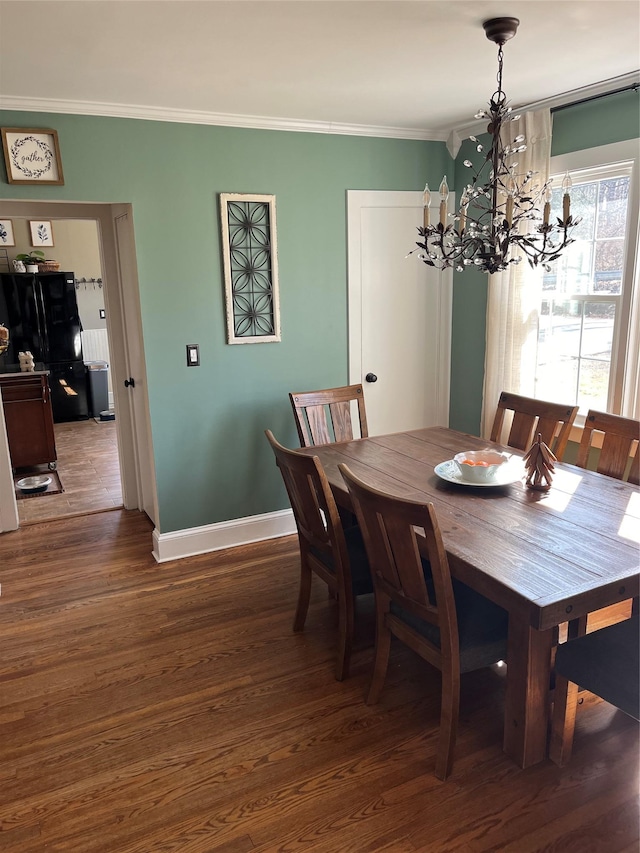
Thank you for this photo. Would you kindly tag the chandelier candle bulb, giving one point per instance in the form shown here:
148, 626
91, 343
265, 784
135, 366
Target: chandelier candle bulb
509, 211
547, 207
444, 195
511, 186
566, 197
426, 201
464, 201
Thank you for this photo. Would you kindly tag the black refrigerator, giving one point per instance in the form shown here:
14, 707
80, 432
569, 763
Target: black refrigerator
41, 313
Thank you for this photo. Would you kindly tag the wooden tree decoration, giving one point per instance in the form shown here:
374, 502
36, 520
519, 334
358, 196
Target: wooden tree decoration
538, 462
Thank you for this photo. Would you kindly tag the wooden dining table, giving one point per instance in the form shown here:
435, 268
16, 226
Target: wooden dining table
546, 557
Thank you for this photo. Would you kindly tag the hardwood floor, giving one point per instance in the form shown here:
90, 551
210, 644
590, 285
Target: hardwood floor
148, 708
89, 471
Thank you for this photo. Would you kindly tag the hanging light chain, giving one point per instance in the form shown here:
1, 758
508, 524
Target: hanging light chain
500, 93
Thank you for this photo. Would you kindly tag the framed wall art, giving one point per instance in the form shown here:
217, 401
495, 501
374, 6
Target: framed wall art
250, 258
41, 232
6, 233
32, 155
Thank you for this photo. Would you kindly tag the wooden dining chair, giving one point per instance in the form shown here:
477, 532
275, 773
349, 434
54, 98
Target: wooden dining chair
323, 417
552, 420
336, 555
605, 662
619, 456
444, 621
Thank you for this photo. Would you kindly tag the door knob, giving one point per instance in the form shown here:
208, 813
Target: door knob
130, 382
371, 377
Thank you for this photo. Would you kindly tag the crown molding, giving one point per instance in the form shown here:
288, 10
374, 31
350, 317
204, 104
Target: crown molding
452, 138
461, 132
41, 105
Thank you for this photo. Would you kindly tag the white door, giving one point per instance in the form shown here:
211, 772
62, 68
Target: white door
137, 411
399, 315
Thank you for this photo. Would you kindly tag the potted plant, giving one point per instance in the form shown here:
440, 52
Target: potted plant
31, 259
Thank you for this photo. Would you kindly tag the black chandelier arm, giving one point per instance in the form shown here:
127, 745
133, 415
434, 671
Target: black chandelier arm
445, 247
542, 255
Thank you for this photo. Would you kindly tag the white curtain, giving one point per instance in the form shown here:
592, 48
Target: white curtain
514, 295
631, 388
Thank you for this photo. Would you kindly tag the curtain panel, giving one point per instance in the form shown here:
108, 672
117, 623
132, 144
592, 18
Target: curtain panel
513, 297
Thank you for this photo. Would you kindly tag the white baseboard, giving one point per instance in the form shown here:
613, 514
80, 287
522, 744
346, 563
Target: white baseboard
225, 534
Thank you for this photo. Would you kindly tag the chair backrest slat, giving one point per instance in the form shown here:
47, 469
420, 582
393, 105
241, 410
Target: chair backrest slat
318, 426
324, 416
341, 420
530, 416
619, 450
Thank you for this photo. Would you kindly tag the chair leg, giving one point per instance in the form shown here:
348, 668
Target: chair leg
563, 721
304, 596
449, 712
381, 660
345, 635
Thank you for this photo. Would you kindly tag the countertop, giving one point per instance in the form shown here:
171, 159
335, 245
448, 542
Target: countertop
12, 371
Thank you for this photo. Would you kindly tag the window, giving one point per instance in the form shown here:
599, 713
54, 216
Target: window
583, 330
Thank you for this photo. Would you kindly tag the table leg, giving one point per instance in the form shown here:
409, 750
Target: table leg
526, 712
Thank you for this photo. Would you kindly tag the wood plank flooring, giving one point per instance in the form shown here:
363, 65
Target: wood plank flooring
89, 469
148, 708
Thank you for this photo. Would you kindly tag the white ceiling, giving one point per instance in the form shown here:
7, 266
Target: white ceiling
417, 68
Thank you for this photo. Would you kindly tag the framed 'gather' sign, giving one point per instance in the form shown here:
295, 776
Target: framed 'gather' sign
32, 155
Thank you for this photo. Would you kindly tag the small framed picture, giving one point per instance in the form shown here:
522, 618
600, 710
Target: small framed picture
6, 233
32, 155
41, 232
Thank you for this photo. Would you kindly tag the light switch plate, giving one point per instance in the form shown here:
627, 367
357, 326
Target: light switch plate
193, 355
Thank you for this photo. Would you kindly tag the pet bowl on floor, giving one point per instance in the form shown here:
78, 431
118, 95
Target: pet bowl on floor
37, 483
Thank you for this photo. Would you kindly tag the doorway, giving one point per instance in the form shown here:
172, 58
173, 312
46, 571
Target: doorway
122, 309
87, 477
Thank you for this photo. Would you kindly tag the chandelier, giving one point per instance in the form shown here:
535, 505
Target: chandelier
499, 220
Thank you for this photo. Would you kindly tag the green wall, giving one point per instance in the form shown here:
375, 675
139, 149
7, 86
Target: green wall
469, 322
608, 119
212, 460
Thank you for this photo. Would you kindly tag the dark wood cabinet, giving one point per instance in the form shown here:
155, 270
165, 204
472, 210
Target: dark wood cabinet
26, 401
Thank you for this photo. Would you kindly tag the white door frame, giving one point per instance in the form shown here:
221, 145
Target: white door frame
8, 504
357, 201
134, 447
